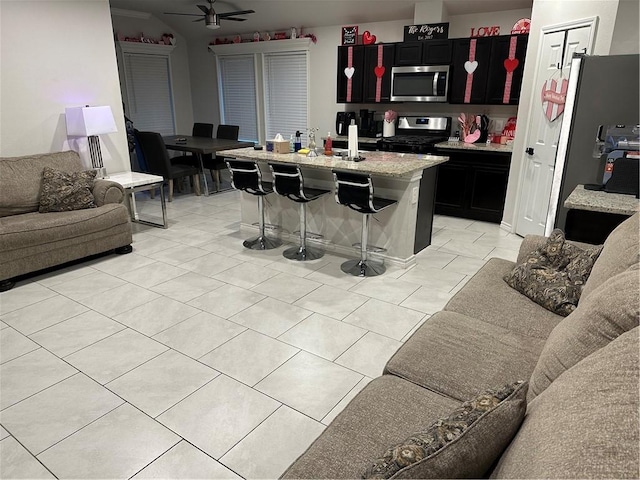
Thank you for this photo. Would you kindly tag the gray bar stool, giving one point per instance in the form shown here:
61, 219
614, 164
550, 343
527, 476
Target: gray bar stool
288, 182
355, 190
246, 176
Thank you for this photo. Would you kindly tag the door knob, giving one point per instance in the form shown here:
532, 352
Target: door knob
529, 151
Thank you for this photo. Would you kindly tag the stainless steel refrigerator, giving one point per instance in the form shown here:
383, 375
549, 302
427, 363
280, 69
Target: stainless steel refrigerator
602, 90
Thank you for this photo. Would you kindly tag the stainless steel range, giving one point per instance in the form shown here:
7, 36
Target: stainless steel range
417, 134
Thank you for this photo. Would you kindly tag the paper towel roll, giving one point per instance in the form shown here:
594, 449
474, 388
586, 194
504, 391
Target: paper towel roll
353, 141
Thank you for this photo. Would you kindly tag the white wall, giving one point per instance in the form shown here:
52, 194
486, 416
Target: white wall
179, 60
545, 13
204, 84
626, 34
56, 55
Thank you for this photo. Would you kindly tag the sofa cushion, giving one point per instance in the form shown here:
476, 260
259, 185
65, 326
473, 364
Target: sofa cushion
612, 309
553, 275
477, 431
18, 233
483, 355
621, 250
66, 191
585, 425
21, 177
488, 298
385, 412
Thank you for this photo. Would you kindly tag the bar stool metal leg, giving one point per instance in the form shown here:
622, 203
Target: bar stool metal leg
262, 242
303, 252
363, 267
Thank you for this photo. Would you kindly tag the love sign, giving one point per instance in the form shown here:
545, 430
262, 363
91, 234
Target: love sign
485, 31
350, 35
554, 96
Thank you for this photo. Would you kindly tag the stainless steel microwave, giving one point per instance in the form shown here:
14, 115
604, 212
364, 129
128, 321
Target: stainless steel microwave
426, 83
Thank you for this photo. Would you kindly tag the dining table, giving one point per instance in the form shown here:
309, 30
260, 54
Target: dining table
200, 146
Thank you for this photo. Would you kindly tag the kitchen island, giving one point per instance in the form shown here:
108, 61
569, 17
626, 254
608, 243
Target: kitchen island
400, 231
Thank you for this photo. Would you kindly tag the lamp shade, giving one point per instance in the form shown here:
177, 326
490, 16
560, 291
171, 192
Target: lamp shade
88, 121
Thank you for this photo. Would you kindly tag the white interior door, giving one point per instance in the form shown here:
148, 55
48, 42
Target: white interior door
554, 63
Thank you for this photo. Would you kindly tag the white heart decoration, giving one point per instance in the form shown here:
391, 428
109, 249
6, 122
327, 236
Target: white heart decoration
349, 71
470, 67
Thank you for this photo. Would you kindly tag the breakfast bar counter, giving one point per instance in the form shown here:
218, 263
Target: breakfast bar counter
398, 232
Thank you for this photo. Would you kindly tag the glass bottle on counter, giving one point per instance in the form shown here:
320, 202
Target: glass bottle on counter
328, 145
292, 146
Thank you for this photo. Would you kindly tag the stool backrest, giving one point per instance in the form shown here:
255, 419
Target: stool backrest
287, 180
245, 175
355, 190
202, 130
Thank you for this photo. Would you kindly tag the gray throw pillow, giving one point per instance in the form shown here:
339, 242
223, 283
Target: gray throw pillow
462, 445
66, 191
553, 275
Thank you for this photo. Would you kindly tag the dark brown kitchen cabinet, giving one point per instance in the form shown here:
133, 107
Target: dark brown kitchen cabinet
378, 61
350, 74
469, 70
506, 69
428, 52
473, 185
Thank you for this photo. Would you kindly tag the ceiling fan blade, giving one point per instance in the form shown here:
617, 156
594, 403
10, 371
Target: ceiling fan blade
234, 19
199, 19
233, 14
204, 9
187, 14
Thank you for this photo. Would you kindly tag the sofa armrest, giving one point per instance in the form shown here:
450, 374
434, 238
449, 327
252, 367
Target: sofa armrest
106, 191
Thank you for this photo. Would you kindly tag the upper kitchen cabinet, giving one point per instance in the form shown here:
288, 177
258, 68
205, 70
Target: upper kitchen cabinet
378, 61
350, 86
428, 52
506, 69
470, 70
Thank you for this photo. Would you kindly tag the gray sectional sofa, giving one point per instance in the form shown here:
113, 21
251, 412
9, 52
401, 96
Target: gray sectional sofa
581, 417
31, 241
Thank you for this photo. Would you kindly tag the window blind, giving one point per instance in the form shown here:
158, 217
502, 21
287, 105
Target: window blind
149, 93
285, 79
238, 92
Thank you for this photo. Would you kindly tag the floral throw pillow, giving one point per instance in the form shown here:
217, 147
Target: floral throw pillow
462, 445
65, 191
553, 276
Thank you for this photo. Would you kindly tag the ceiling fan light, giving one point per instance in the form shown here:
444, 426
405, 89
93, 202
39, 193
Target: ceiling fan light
211, 21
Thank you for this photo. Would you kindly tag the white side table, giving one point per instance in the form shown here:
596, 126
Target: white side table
137, 182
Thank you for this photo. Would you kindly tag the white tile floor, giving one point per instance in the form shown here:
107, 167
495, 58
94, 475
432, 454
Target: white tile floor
193, 357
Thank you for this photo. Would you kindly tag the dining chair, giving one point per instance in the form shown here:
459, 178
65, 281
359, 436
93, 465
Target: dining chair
216, 164
158, 162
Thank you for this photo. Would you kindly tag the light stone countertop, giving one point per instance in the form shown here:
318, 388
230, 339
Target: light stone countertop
598, 201
387, 164
476, 147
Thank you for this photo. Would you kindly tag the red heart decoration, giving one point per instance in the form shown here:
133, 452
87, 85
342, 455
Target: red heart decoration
379, 71
367, 38
510, 64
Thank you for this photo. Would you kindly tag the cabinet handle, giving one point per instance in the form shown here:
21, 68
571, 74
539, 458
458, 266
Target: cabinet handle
529, 151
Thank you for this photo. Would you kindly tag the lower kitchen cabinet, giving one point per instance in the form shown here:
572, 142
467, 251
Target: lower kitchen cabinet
473, 185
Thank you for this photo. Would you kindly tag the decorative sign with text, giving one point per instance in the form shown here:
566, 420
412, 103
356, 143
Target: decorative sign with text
428, 31
350, 35
485, 31
554, 96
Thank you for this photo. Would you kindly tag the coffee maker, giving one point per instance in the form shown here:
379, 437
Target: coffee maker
343, 120
369, 125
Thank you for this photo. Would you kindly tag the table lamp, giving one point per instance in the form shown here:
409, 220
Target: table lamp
90, 122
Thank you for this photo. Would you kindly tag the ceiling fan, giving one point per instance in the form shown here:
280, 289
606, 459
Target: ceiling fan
211, 18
